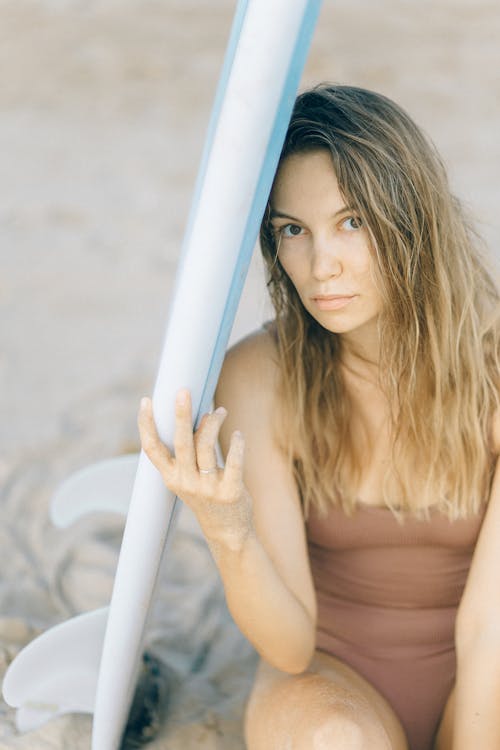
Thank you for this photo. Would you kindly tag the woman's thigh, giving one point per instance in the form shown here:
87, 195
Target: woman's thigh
328, 706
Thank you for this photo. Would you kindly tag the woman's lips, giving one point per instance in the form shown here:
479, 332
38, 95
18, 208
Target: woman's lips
333, 302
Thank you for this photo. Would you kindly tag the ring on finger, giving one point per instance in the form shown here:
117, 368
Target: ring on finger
208, 471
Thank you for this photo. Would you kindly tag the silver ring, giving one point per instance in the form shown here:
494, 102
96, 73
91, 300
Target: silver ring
208, 471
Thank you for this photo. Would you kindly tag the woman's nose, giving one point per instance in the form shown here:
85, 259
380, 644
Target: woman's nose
326, 262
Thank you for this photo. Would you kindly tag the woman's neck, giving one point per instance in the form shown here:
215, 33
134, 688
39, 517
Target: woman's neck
362, 345
360, 357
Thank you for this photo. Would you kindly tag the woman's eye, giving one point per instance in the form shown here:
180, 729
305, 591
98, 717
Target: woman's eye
290, 230
352, 223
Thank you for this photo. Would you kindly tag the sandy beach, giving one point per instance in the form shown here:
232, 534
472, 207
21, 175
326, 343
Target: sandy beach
104, 107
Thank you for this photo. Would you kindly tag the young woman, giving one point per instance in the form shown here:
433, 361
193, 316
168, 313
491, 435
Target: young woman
358, 533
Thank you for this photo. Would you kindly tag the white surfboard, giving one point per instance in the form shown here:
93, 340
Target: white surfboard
262, 69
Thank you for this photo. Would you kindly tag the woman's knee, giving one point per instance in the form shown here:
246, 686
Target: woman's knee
309, 712
340, 729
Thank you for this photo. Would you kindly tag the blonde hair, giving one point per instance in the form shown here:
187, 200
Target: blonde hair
439, 328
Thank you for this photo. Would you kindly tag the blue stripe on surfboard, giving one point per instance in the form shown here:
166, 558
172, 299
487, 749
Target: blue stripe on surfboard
238, 21
269, 164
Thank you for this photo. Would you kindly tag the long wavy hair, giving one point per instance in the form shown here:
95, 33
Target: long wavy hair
438, 330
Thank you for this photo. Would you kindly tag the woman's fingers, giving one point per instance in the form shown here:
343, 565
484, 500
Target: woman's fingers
156, 451
192, 471
183, 438
206, 439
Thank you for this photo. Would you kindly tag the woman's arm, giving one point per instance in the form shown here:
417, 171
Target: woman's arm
476, 721
249, 512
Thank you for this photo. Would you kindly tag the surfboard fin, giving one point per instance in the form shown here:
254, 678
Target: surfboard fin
57, 672
105, 486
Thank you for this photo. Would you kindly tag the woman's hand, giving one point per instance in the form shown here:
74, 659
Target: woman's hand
216, 495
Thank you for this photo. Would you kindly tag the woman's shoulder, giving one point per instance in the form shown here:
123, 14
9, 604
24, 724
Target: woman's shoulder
251, 364
256, 353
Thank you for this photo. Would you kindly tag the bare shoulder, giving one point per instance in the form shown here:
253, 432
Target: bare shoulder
255, 352
250, 369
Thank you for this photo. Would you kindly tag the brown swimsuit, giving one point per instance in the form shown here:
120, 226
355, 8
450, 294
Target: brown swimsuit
387, 600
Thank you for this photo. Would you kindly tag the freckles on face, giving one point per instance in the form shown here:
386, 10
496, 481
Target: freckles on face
323, 246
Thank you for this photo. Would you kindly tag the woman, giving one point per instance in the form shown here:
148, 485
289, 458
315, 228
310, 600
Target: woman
357, 538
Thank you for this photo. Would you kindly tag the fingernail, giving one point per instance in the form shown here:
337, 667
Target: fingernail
144, 402
182, 397
220, 411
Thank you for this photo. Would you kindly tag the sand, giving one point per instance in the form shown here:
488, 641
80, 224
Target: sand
104, 106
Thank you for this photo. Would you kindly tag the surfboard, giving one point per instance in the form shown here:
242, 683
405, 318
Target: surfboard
265, 57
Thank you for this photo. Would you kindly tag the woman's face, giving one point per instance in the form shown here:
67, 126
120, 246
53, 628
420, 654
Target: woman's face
323, 246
